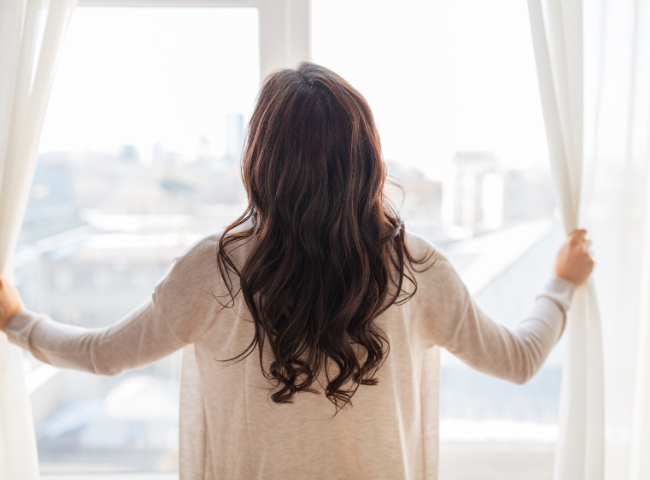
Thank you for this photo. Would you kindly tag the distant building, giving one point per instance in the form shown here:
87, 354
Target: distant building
128, 153
52, 206
478, 191
417, 197
164, 157
204, 149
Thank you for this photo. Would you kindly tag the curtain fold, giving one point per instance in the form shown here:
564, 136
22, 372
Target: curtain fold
31, 36
617, 164
557, 32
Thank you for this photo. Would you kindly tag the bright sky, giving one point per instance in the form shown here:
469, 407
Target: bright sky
145, 75
440, 76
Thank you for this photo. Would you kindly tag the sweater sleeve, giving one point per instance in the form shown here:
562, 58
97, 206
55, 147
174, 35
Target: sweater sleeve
454, 321
182, 307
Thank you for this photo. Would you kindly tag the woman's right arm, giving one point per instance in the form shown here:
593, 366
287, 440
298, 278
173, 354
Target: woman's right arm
181, 308
138, 339
514, 355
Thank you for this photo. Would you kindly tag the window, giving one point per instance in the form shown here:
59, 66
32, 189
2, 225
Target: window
138, 159
453, 88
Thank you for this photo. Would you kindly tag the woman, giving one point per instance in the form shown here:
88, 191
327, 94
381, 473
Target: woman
305, 324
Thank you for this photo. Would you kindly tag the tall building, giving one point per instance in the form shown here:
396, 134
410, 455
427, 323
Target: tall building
128, 153
234, 135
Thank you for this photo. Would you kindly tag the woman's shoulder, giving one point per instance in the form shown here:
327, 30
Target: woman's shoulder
206, 247
198, 253
198, 269
435, 268
418, 244
421, 248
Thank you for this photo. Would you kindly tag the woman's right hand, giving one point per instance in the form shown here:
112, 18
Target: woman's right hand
10, 302
574, 262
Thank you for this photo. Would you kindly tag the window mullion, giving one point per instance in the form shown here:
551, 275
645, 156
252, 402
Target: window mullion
285, 33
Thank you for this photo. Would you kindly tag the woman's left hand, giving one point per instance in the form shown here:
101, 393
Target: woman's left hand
10, 302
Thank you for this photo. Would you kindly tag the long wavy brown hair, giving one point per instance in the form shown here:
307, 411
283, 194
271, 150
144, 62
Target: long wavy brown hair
330, 252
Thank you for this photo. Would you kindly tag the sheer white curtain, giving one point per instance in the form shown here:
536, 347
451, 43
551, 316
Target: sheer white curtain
31, 35
617, 169
557, 30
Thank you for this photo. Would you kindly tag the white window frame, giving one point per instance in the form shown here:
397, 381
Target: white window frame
284, 25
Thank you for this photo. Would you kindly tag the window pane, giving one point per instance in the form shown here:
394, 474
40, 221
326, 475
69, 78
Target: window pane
453, 88
139, 158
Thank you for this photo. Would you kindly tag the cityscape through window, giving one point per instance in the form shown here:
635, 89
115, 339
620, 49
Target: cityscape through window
139, 158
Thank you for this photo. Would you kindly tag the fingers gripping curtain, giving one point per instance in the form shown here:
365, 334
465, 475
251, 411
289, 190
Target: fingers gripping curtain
31, 35
557, 32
